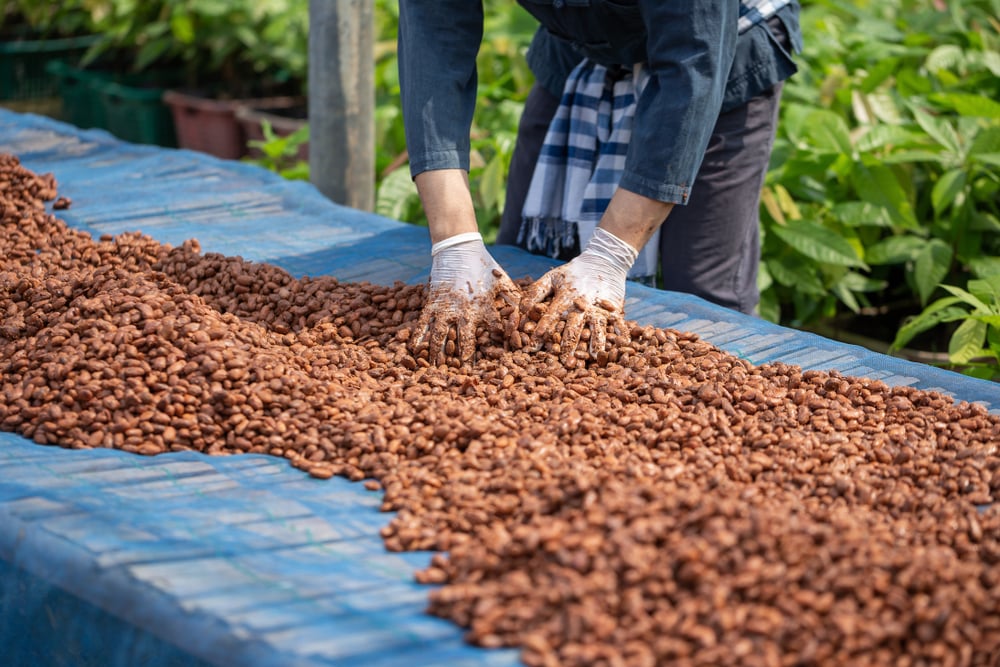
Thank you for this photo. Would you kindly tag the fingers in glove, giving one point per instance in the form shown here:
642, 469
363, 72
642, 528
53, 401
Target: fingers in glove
538, 291
467, 334
571, 334
423, 327
620, 327
511, 294
557, 309
443, 321
598, 332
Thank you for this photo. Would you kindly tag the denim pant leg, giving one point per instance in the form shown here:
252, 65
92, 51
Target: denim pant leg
711, 246
539, 109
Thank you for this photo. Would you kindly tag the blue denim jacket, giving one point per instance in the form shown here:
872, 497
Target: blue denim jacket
699, 64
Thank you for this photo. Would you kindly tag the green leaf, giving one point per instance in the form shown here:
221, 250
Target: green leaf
826, 132
986, 142
942, 310
985, 266
947, 189
931, 267
991, 320
769, 307
881, 71
861, 214
857, 282
395, 194
939, 129
991, 59
297, 172
764, 279
967, 297
796, 273
879, 185
967, 104
491, 183
151, 52
846, 297
987, 289
989, 158
894, 250
945, 57
878, 136
967, 342
918, 155
819, 243
885, 107
182, 28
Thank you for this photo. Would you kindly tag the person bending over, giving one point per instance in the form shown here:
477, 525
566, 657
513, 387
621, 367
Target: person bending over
635, 102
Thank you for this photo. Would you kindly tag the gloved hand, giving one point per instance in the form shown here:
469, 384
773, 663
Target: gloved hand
588, 291
464, 284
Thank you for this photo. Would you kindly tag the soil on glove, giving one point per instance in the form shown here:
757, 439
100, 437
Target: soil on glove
671, 505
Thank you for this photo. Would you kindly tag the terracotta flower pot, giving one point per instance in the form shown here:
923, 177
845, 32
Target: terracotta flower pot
211, 126
206, 125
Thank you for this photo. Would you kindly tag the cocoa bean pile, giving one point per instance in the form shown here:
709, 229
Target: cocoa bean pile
670, 504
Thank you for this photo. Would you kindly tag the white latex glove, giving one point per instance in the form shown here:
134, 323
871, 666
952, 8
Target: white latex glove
464, 283
588, 291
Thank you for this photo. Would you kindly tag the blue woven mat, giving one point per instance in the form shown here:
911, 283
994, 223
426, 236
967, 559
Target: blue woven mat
108, 558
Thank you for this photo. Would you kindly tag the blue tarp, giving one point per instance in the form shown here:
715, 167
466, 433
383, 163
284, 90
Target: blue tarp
114, 559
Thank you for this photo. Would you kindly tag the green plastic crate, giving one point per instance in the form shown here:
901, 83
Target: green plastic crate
23, 74
80, 91
138, 114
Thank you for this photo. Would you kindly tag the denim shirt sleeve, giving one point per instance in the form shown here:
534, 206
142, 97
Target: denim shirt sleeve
438, 43
690, 49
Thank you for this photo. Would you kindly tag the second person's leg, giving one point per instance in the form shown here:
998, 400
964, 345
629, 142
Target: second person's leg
711, 246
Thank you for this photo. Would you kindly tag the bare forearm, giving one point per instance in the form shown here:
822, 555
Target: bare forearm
447, 202
634, 218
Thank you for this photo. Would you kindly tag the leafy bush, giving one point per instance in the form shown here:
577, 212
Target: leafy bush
239, 43
280, 154
974, 345
884, 180
37, 19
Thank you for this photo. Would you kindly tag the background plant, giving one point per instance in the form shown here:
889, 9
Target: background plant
885, 179
34, 19
241, 47
280, 154
974, 346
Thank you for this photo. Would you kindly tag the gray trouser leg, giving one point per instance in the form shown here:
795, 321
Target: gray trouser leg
711, 246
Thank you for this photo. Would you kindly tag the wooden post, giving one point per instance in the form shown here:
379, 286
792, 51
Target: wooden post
342, 101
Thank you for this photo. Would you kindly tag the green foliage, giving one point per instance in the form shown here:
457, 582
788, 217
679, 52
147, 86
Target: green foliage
69, 18
884, 179
235, 42
280, 154
974, 345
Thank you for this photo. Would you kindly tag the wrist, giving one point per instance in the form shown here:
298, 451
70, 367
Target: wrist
634, 218
455, 240
447, 202
611, 250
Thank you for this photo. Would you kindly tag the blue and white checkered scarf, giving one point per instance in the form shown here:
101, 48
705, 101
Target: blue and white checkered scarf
755, 11
583, 156
581, 163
